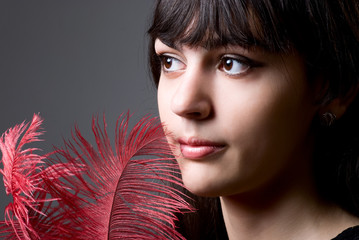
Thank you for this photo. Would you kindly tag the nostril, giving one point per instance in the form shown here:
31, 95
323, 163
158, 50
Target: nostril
201, 111
193, 109
194, 114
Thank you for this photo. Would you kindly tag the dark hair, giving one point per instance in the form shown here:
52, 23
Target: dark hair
325, 33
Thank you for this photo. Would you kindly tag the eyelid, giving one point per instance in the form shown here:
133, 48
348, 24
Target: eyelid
242, 59
248, 63
170, 55
163, 50
174, 57
234, 60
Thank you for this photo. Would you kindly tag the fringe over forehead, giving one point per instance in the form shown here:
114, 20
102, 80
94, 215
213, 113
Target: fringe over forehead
212, 23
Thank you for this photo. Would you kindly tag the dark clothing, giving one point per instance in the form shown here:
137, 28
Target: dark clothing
351, 233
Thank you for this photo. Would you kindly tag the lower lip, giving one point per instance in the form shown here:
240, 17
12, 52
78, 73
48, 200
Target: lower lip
198, 152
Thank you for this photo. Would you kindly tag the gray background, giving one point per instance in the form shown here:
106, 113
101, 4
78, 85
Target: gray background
71, 59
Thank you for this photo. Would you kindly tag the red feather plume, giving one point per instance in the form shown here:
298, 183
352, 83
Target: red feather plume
83, 192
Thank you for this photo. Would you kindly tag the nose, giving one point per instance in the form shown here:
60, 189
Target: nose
192, 98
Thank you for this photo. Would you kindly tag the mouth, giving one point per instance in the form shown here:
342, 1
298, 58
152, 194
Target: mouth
195, 148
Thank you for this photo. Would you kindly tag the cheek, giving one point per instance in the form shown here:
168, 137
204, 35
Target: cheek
268, 125
267, 109
164, 97
163, 100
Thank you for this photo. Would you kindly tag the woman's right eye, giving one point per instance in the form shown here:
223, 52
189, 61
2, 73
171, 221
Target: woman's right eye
171, 64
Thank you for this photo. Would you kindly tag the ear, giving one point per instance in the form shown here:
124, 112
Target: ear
338, 106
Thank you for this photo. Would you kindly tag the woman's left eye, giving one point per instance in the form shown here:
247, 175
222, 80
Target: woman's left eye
232, 66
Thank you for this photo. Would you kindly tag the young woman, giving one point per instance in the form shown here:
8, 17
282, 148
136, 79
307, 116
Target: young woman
260, 100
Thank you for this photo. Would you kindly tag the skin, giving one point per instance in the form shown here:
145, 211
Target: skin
262, 116
240, 125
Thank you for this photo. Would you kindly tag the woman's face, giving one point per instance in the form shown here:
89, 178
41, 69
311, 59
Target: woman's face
237, 119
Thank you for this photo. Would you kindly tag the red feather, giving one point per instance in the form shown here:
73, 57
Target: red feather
122, 193
20, 175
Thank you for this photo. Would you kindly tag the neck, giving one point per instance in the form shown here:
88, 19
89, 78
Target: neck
279, 212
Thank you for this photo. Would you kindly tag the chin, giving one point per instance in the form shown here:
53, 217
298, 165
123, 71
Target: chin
203, 192
202, 179
202, 187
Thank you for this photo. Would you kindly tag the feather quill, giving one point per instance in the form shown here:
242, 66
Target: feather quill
103, 192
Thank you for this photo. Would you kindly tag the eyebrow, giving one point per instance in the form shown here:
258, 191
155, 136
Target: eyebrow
175, 45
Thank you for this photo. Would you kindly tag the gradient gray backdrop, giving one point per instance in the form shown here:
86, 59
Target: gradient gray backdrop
71, 59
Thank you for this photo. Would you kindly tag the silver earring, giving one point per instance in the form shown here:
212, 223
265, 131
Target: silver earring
328, 119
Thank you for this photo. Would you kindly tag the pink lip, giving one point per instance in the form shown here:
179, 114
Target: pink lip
194, 148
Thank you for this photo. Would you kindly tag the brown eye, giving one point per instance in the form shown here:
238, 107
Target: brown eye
232, 66
171, 64
167, 62
228, 64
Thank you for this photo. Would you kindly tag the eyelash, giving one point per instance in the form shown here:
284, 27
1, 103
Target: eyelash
163, 58
245, 64
244, 61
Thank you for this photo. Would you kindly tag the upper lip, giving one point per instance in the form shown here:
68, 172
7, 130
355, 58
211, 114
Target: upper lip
194, 141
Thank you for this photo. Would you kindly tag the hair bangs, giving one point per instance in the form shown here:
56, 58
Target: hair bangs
214, 23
